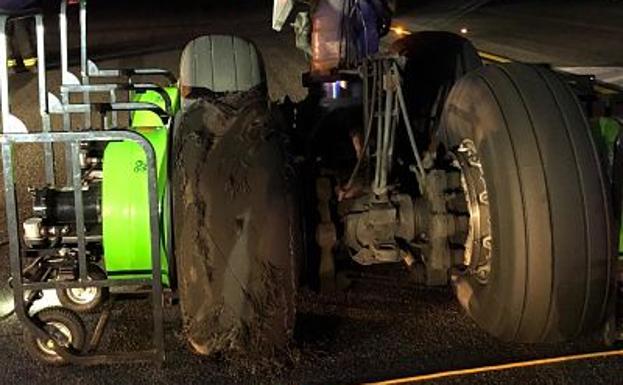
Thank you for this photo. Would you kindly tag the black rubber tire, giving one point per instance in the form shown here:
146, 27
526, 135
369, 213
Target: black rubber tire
65, 317
222, 63
234, 228
102, 294
553, 247
435, 60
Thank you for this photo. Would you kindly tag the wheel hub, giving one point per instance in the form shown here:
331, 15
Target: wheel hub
61, 336
478, 244
82, 296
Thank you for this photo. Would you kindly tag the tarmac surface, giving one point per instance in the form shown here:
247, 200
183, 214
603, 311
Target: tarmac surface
383, 326
582, 36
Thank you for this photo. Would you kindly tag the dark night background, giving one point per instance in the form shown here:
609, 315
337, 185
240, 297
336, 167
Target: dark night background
383, 327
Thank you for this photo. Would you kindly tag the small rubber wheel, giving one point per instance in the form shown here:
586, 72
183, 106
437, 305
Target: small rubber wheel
543, 245
88, 299
64, 326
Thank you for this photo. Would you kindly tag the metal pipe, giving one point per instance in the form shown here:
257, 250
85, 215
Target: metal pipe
420, 172
103, 108
84, 70
62, 25
137, 282
76, 172
365, 75
67, 128
154, 224
379, 129
48, 150
110, 88
4, 74
12, 227
100, 327
113, 114
392, 140
369, 107
387, 115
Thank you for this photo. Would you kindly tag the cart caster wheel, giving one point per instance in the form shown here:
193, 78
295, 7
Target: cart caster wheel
88, 299
64, 326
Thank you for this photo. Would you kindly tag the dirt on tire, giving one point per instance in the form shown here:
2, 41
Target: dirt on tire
234, 228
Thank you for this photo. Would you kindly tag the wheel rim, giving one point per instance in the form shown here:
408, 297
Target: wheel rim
82, 296
56, 328
478, 244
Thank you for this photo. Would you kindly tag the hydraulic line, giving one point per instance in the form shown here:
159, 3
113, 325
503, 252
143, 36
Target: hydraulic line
420, 171
368, 129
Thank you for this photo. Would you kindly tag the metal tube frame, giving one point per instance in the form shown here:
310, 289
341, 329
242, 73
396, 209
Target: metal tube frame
73, 139
17, 135
66, 109
112, 88
89, 69
48, 151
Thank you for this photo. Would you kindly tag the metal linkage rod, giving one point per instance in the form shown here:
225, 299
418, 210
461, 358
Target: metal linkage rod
379, 126
389, 89
420, 172
390, 107
369, 113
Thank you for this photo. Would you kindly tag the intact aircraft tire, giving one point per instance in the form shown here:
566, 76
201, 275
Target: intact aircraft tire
541, 269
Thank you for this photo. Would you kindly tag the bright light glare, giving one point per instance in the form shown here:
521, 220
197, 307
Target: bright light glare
400, 31
6, 303
49, 300
464, 31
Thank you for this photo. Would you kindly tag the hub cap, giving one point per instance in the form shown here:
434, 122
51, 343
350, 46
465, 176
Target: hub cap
62, 336
83, 296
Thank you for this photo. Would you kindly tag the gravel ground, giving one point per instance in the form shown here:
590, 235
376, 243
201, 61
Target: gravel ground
382, 327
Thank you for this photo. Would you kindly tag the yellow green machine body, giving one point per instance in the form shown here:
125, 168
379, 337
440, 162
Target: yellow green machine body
125, 200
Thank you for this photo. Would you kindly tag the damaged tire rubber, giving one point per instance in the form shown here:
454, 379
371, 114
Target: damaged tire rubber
552, 245
234, 227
